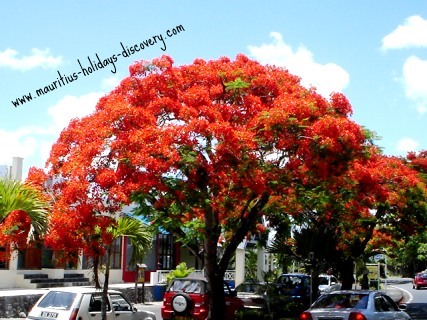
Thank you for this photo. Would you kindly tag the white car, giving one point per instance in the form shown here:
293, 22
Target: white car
328, 283
84, 303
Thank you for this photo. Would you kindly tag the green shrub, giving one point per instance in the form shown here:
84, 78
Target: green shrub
181, 271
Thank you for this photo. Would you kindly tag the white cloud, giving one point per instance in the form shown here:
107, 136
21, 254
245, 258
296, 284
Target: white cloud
16, 144
326, 78
406, 144
415, 81
71, 107
110, 83
34, 143
413, 33
38, 58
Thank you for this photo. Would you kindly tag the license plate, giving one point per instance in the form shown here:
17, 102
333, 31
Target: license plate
48, 314
182, 318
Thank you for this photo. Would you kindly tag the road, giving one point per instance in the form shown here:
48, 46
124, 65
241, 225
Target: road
416, 300
151, 306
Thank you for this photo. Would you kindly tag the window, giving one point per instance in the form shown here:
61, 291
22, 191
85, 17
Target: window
391, 304
58, 300
120, 303
116, 254
342, 300
95, 303
3, 263
382, 305
165, 252
189, 286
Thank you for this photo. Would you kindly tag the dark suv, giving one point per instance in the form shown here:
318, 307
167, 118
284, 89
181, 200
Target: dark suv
186, 298
295, 285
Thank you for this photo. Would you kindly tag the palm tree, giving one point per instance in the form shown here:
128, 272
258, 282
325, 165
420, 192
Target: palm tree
140, 237
14, 196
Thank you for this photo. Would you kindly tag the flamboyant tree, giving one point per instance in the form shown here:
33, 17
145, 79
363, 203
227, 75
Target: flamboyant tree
418, 161
378, 200
389, 202
214, 145
411, 255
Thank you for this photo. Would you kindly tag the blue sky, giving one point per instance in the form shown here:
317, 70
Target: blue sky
375, 52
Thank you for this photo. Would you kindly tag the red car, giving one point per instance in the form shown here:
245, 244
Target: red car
420, 280
186, 298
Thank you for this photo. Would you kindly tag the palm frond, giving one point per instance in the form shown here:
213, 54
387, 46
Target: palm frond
137, 232
16, 196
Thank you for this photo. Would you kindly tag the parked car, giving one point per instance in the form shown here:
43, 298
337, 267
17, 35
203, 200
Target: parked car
295, 285
420, 280
84, 303
328, 283
253, 295
186, 298
355, 305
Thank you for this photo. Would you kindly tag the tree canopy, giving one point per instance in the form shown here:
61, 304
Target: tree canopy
213, 145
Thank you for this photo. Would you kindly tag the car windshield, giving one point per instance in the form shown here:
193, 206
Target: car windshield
342, 300
188, 286
291, 281
323, 280
58, 300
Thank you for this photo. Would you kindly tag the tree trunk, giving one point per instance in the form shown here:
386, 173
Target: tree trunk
96, 261
105, 287
215, 270
215, 287
314, 282
345, 269
216, 297
215, 278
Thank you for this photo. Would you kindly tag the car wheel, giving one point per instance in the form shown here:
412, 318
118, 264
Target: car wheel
417, 287
181, 303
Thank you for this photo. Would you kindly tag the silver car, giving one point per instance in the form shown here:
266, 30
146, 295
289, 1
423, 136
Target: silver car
84, 303
328, 283
355, 305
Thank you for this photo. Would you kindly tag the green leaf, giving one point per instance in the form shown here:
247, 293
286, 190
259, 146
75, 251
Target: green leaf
236, 84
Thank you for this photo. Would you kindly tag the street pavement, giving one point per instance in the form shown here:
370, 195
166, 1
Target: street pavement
395, 293
154, 306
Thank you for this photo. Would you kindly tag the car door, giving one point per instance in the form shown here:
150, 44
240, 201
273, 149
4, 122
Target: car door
335, 285
384, 309
122, 309
394, 308
90, 308
232, 302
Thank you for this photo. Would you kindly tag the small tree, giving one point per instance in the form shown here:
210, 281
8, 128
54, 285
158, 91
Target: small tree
23, 215
140, 238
